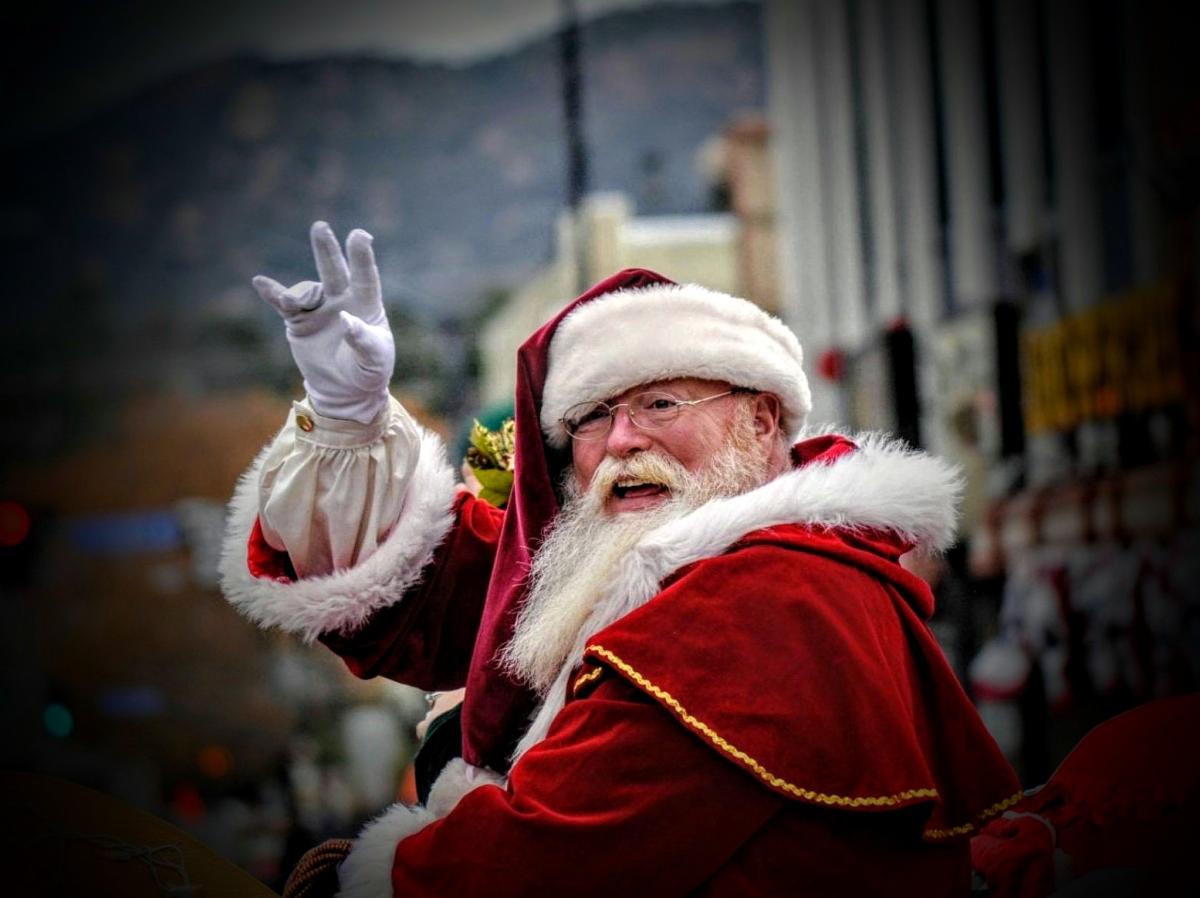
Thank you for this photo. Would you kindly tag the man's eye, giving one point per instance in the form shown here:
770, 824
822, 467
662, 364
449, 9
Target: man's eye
596, 414
661, 405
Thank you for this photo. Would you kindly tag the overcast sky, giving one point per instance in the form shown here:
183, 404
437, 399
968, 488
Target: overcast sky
70, 58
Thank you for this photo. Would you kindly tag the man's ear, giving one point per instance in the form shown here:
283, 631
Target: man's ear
767, 414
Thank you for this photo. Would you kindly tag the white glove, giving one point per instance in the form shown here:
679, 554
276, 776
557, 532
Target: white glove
337, 329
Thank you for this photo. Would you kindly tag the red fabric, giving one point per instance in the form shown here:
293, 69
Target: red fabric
803, 657
265, 561
1127, 797
1143, 759
824, 449
620, 800
846, 639
1015, 855
803, 649
425, 638
498, 707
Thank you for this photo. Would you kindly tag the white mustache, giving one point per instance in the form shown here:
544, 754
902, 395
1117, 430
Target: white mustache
647, 467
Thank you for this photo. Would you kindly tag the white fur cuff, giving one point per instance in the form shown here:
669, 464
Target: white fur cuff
367, 870
456, 780
344, 600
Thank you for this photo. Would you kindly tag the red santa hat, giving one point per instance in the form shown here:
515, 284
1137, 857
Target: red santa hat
633, 328
663, 331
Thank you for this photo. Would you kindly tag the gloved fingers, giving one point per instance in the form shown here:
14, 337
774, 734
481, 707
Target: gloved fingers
372, 349
275, 294
289, 301
364, 273
306, 295
331, 264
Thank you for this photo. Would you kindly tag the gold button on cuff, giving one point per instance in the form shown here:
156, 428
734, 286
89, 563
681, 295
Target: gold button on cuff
305, 423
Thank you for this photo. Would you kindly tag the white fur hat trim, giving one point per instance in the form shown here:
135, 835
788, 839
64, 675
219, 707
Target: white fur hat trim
631, 337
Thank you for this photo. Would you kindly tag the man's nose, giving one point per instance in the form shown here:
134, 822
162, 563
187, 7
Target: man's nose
624, 436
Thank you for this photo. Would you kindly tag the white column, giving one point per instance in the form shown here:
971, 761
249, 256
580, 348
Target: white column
794, 106
1072, 117
1020, 124
835, 124
916, 163
876, 70
973, 258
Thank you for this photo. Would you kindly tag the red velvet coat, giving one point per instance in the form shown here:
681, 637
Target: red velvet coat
773, 718
777, 721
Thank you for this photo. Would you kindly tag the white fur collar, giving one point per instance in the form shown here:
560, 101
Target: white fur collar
883, 485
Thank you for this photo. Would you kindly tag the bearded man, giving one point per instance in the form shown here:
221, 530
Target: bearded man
693, 663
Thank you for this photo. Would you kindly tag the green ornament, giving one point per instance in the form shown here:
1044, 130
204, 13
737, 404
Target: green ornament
490, 457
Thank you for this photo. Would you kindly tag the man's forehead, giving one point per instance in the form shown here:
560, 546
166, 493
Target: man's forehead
683, 387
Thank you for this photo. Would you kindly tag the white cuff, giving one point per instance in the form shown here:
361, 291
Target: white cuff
456, 780
344, 600
367, 870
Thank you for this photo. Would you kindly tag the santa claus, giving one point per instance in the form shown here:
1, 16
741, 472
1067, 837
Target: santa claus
693, 663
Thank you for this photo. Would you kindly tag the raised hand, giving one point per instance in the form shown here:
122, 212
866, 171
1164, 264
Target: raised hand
337, 328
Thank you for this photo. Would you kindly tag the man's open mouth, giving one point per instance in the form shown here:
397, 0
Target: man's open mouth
634, 489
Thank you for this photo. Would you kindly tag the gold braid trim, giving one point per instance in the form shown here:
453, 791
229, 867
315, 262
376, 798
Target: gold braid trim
584, 678
867, 801
968, 827
864, 801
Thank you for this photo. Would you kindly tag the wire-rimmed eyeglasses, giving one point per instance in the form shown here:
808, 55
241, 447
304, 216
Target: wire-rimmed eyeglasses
649, 410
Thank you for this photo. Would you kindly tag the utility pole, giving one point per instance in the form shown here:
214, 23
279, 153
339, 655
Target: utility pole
577, 174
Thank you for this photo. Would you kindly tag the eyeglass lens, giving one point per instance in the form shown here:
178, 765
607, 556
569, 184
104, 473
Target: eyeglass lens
646, 410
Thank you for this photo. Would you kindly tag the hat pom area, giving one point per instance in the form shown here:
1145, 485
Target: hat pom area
631, 337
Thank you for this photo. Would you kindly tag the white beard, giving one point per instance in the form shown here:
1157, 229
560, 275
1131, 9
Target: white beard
585, 544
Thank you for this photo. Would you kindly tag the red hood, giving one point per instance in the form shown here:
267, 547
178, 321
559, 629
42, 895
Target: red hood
498, 707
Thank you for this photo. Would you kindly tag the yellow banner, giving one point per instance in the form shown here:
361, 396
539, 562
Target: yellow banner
1121, 356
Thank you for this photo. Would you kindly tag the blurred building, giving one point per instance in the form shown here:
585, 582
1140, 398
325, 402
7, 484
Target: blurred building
988, 231
738, 165
731, 249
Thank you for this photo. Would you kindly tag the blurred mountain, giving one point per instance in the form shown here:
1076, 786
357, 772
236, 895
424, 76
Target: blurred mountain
164, 207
